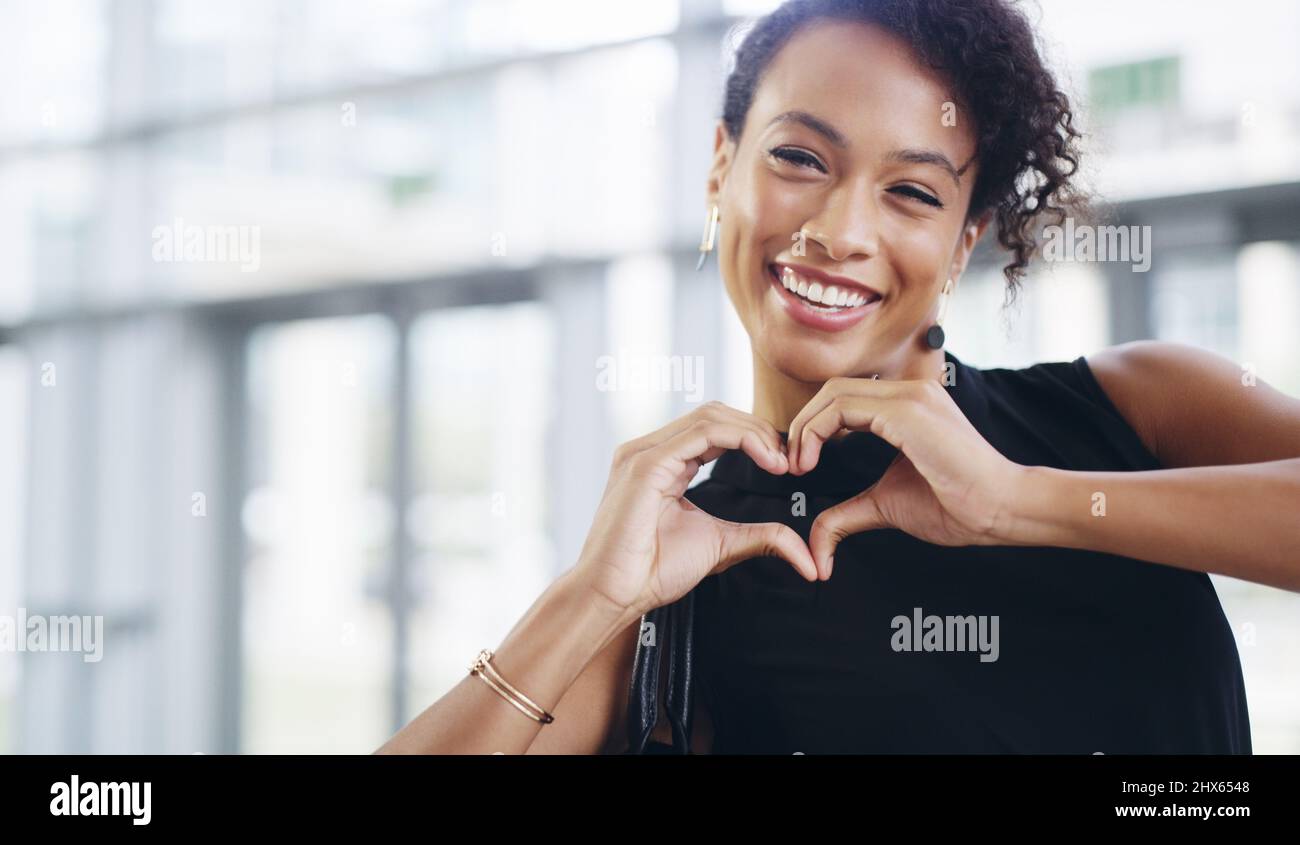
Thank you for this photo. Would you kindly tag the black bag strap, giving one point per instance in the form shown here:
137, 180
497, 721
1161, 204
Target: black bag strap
681, 665
673, 629
643, 698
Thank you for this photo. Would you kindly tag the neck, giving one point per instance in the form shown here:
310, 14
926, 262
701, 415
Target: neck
778, 398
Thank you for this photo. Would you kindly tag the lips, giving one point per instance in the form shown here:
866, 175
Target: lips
804, 295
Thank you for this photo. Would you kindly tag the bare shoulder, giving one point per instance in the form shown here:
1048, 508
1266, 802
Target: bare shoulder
1193, 407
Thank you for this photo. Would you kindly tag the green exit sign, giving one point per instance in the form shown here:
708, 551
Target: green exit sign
1146, 84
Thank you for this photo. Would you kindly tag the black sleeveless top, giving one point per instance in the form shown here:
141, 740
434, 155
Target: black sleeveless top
1091, 652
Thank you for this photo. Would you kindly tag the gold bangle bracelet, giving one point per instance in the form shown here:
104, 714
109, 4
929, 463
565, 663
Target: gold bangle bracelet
545, 717
487, 665
483, 668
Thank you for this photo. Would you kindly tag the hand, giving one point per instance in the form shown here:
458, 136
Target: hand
648, 546
946, 486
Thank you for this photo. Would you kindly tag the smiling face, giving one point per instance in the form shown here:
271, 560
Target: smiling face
846, 142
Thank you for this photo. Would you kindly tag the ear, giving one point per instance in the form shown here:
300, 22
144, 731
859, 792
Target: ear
724, 152
970, 236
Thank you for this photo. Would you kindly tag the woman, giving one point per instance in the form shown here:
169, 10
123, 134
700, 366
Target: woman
935, 557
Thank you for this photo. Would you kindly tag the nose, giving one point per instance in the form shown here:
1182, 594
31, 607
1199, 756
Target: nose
847, 225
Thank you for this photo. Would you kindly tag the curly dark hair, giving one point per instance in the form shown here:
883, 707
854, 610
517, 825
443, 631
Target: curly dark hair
1027, 144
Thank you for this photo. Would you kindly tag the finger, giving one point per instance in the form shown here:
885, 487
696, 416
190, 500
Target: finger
853, 516
884, 417
742, 541
764, 428
683, 481
865, 406
830, 390
710, 411
825, 395
711, 439
721, 412
705, 440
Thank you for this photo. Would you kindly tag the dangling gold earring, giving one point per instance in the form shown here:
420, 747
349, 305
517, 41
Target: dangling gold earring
934, 335
706, 242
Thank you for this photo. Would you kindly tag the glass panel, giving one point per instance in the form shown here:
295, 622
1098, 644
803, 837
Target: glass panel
207, 55
317, 630
57, 56
478, 520
15, 377
639, 374
1268, 305
1195, 299
328, 42
506, 27
49, 229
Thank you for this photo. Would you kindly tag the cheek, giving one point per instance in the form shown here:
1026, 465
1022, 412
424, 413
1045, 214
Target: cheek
775, 210
920, 253
759, 214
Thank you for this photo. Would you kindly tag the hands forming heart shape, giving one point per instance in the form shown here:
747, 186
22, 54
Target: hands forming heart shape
649, 546
946, 486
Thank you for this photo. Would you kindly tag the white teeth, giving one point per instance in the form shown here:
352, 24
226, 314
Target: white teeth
828, 296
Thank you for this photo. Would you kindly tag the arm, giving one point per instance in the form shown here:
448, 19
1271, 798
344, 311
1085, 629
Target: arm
1229, 500
1241, 520
647, 547
591, 717
542, 656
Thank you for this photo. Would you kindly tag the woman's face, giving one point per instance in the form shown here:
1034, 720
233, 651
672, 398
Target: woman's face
852, 143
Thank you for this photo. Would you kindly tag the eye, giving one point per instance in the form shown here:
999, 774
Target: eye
918, 194
797, 157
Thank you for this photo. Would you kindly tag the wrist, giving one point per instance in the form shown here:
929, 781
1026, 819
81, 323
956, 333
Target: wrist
1034, 515
555, 640
581, 592
564, 630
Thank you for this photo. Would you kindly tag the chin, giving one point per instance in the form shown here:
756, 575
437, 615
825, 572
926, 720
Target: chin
807, 362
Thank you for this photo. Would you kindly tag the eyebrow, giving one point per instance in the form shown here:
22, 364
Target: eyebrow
910, 156
930, 157
816, 124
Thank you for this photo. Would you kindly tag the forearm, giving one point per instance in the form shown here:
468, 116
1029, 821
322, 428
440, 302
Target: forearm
1239, 520
542, 656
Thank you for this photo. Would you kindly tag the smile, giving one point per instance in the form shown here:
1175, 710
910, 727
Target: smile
821, 304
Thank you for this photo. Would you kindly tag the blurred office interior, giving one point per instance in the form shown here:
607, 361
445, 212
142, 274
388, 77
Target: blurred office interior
303, 491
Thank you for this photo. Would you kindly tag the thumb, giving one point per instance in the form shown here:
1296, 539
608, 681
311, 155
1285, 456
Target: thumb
852, 516
744, 540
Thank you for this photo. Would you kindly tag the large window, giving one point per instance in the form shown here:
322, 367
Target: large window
16, 379
478, 519
317, 630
